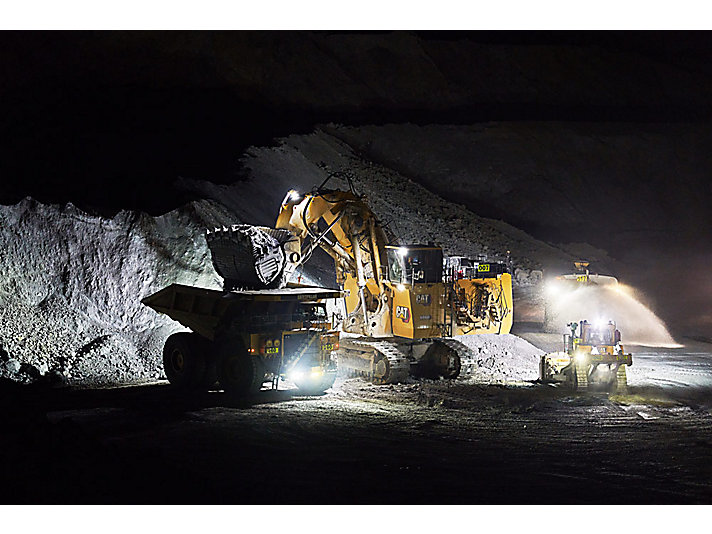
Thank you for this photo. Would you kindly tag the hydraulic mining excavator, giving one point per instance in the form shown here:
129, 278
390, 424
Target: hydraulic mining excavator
595, 358
403, 304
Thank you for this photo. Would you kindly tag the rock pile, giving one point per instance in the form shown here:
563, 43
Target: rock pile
71, 286
503, 358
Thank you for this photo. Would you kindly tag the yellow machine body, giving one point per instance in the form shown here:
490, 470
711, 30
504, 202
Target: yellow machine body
487, 304
393, 290
594, 357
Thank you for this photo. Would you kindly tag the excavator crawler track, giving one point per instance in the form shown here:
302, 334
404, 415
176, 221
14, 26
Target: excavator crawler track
468, 359
380, 361
383, 362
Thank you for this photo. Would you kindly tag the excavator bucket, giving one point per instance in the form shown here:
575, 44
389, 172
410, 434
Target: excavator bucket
249, 257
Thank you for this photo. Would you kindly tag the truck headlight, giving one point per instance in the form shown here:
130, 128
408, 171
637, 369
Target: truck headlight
296, 375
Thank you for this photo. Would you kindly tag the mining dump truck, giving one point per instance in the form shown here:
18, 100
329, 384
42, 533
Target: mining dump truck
241, 338
595, 358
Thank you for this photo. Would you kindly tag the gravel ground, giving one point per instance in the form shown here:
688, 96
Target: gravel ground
484, 440
503, 358
421, 442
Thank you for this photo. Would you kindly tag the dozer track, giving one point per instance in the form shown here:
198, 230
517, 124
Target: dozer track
380, 361
621, 379
581, 378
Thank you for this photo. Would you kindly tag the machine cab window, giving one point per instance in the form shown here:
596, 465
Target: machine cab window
598, 334
411, 265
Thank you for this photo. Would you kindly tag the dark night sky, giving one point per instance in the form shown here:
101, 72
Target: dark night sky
109, 120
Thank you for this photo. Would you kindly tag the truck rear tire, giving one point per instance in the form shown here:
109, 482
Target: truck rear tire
206, 349
183, 363
210, 377
239, 372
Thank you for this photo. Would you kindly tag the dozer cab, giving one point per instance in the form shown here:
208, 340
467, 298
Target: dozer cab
593, 359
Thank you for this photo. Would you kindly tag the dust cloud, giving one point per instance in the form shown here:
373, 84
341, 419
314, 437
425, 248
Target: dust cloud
637, 323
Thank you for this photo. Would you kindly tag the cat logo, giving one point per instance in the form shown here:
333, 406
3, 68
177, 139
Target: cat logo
403, 313
423, 299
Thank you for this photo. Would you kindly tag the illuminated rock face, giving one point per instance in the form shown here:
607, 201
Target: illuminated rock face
71, 285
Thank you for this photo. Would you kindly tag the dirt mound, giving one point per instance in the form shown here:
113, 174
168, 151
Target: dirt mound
71, 286
503, 358
409, 210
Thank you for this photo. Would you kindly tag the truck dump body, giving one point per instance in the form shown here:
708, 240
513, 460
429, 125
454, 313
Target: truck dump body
204, 310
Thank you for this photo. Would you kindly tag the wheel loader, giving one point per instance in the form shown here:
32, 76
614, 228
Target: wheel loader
241, 338
564, 289
594, 359
582, 275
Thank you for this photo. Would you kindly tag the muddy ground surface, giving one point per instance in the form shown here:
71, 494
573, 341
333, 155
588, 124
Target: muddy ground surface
421, 442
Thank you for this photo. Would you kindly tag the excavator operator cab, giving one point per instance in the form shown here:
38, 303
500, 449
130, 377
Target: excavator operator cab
414, 264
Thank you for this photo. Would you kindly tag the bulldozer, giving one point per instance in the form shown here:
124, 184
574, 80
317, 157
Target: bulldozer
593, 359
402, 304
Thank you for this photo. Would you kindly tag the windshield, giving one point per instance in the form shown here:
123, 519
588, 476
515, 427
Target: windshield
599, 336
313, 312
406, 266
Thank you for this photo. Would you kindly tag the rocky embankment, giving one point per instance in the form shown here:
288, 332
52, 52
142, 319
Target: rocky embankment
71, 286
